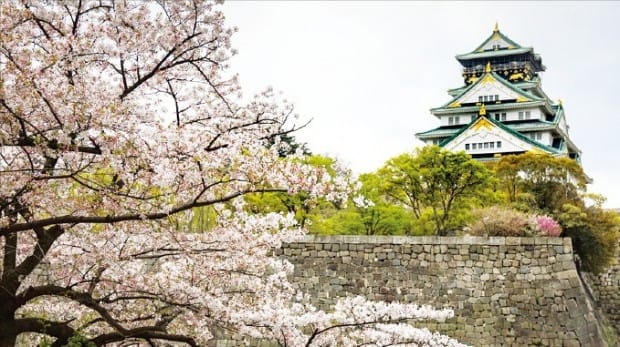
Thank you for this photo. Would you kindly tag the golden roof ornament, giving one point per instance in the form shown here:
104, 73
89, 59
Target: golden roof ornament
482, 111
496, 28
560, 102
488, 67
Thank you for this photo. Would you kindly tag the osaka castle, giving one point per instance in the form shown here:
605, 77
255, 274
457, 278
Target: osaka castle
501, 108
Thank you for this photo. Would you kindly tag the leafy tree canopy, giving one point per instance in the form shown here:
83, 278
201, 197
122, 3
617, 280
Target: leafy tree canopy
437, 183
540, 181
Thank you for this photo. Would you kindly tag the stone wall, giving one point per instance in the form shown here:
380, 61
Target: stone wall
504, 291
605, 289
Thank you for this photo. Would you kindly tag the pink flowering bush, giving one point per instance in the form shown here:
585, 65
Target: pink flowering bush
547, 226
505, 221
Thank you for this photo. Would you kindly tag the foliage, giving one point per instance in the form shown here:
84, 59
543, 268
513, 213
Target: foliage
203, 219
540, 182
594, 233
386, 219
303, 206
435, 180
544, 184
367, 213
117, 122
288, 145
506, 221
76, 340
500, 221
379, 219
547, 226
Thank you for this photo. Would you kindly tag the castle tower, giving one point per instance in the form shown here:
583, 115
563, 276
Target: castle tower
501, 108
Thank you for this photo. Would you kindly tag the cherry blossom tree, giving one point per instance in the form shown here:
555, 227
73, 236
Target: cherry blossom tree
117, 118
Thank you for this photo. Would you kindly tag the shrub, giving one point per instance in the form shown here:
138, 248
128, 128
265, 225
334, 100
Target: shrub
500, 221
547, 226
594, 233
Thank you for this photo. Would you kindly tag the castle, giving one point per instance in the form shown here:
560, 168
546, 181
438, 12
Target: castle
501, 109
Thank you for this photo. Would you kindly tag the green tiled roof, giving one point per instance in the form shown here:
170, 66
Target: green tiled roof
524, 138
502, 36
534, 82
491, 54
446, 141
513, 87
532, 125
528, 84
439, 131
558, 113
506, 129
456, 91
489, 107
513, 48
498, 78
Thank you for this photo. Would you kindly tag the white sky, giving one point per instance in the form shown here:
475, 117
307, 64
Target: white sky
368, 73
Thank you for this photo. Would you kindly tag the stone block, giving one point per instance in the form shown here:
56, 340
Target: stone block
506, 291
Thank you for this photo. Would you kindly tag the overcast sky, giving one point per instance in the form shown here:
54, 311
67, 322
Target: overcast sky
367, 73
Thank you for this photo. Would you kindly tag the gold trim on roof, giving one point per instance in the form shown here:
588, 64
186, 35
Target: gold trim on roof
472, 79
483, 123
488, 79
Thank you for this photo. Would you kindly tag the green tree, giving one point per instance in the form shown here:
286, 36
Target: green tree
288, 144
366, 214
540, 182
594, 233
437, 183
304, 207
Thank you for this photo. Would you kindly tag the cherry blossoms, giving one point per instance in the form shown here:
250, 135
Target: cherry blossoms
117, 120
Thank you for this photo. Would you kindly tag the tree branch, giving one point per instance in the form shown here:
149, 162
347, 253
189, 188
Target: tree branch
69, 219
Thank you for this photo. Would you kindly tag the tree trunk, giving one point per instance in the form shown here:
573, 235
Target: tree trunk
7, 332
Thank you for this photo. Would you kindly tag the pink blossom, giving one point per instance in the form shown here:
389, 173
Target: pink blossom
548, 226
118, 121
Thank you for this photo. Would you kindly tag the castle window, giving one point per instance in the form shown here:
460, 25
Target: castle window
520, 115
457, 120
473, 146
496, 97
480, 98
499, 144
450, 120
467, 146
503, 116
491, 144
497, 116
486, 145
528, 114
486, 98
